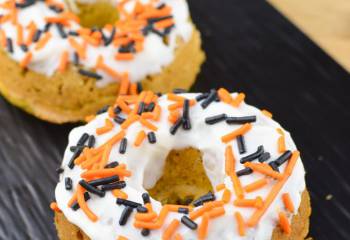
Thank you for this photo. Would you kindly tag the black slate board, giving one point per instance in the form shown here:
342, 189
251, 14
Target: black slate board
251, 48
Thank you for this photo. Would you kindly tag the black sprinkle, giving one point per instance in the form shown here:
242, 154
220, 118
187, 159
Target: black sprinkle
117, 110
111, 37
179, 90
176, 126
215, 119
9, 45
59, 170
82, 140
56, 9
241, 144
47, 27
112, 186
283, 158
161, 6
123, 145
76, 154
90, 74
241, 120
202, 97
189, 223
141, 108
186, 115
151, 137
139, 87
183, 210
91, 188
25, 4
103, 110
264, 157
37, 35
73, 148
205, 198
154, 20
112, 164
253, 156
125, 215
146, 198
119, 119
145, 232
150, 107
243, 172
91, 141
24, 47
211, 97
68, 183
75, 205
274, 166
141, 209
73, 33
121, 201
76, 59
61, 31
104, 181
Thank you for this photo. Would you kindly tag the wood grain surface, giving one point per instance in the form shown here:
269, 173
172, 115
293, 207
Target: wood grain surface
327, 22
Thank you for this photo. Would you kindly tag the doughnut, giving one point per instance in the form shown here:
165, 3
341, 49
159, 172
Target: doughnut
181, 166
63, 60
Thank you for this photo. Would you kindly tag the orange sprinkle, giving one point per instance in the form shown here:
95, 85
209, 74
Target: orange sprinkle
173, 116
220, 187
216, 212
133, 89
240, 224
177, 105
175, 97
32, 30
199, 212
240, 131
284, 223
63, 61
89, 118
254, 219
101, 173
203, 227
156, 113
83, 205
147, 115
123, 106
77, 47
3, 38
148, 124
281, 144
92, 41
287, 201
54, 207
164, 23
101, 65
148, 97
122, 238
72, 200
26, 60
130, 120
237, 187
226, 196
116, 138
19, 34
124, 56
43, 41
224, 95
106, 128
139, 138
178, 236
238, 100
111, 113
264, 169
229, 160
256, 203
266, 113
146, 217
105, 156
255, 185
124, 84
119, 194
170, 230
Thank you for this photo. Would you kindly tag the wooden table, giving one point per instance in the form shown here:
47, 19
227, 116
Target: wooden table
327, 22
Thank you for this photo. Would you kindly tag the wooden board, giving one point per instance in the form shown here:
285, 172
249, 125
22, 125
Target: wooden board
327, 22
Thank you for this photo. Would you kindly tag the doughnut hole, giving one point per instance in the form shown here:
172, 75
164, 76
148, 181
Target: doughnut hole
96, 14
183, 180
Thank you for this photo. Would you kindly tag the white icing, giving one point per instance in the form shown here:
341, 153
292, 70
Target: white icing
147, 161
155, 55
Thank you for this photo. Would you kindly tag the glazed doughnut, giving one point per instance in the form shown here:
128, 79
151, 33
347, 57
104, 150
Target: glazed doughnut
181, 166
65, 59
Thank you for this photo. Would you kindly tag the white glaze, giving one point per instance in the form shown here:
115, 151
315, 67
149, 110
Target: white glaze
155, 56
147, 161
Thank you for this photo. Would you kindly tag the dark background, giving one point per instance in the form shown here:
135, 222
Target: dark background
251, 48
